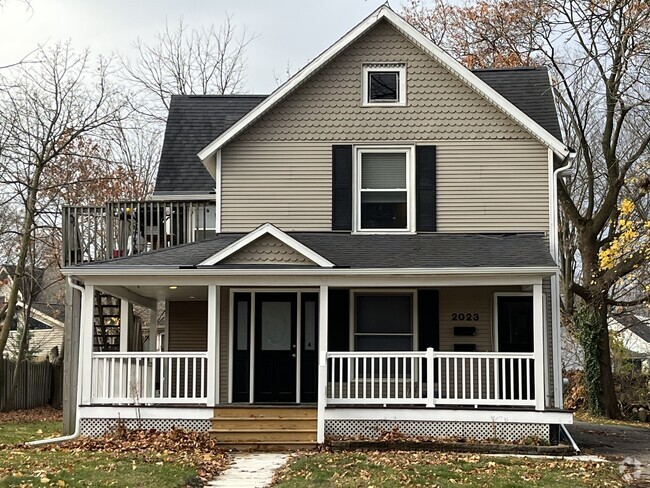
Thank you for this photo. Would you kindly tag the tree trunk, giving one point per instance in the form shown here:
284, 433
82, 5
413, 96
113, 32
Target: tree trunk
598, 377
20, 265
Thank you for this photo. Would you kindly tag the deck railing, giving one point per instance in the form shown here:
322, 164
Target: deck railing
149, 378
117, 229
430, 378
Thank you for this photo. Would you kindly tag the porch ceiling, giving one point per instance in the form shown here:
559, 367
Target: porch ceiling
164, 292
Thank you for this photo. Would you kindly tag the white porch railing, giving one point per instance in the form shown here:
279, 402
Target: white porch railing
430, 378
149, 377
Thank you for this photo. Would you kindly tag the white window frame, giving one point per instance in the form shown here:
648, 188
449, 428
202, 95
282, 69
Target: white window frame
399, 68
385, 292
409, 151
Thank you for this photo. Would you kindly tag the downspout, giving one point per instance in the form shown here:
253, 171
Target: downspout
566, 164
77, 429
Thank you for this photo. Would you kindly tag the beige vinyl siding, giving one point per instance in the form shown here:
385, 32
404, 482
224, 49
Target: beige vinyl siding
328, 106
188, 326
289, 185
497, 186
492, 187
492, 175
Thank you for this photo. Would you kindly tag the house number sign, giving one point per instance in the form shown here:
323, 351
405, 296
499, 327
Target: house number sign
468, 317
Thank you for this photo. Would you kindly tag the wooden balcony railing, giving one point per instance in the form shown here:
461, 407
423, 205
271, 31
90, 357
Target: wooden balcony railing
117, 229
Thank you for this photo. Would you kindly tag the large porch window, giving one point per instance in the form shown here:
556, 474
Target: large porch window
383, 322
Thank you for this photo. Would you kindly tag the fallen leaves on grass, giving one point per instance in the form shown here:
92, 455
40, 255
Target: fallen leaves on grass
416, 468
196, 449
40, 414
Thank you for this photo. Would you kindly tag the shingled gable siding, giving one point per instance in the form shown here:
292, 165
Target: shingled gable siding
492, 175
268, 250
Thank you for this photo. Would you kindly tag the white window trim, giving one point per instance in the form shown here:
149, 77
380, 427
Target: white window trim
410, 189
495, 312
400, 68
415, 327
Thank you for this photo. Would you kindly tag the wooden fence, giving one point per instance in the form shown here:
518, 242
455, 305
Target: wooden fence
39, 383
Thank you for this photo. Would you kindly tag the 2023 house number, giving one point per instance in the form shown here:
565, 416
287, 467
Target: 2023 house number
469, 317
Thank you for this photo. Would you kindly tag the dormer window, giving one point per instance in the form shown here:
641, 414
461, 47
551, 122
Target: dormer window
384, 85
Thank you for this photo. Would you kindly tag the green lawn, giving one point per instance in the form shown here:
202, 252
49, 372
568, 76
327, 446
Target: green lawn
79, 464
436, 469
64, 468
18, 432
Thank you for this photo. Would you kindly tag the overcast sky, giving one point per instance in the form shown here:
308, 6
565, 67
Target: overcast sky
287, 31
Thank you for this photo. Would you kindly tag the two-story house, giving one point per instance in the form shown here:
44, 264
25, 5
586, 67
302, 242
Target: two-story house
371, 247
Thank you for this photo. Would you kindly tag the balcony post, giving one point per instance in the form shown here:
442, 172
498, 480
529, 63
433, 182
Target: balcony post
538, 345
322, 361
213, 346
86, 337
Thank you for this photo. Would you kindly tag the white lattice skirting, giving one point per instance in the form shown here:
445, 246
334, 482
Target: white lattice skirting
373, 429
98, 427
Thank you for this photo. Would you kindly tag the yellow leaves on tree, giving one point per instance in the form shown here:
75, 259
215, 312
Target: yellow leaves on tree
631, 237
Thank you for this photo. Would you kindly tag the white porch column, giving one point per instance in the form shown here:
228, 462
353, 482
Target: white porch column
213, 345
538, 345
86, 333
322, 361
125, 325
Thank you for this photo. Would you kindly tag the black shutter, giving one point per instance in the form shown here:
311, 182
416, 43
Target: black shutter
428, 319
425, 174
342, 187
338, 333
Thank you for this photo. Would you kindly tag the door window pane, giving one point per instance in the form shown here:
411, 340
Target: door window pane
242, 325
276, 326
310, 326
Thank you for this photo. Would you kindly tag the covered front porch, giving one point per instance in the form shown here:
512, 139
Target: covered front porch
327, 346
421, 326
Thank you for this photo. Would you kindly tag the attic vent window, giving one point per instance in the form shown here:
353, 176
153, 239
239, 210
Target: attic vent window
384, 84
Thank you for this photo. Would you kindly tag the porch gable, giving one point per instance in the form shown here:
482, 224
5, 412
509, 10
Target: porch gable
267, 245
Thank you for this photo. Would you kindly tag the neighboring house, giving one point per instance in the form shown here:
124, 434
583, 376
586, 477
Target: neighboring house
634, 333
371, 247
47, 313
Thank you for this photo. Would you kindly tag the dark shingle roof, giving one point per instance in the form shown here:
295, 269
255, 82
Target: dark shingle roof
377, 251
529, 90
196, 120
640, 327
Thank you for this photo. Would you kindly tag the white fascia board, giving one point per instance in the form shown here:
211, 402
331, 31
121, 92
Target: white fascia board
272, 230
454, 66
144, 271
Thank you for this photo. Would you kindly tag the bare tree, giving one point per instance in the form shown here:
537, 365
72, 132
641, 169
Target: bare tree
187, 62
44, 109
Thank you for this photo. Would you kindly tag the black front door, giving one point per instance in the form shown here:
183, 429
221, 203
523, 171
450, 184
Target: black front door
275, 347
515, 333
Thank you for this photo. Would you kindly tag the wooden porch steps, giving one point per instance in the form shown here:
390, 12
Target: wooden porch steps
265, 427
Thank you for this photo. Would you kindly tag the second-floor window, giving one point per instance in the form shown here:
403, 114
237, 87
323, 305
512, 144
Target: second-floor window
384, 197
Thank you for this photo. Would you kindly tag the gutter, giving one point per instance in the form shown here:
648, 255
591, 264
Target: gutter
77, 429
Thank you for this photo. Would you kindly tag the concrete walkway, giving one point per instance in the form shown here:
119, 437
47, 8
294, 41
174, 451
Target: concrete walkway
250, 470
